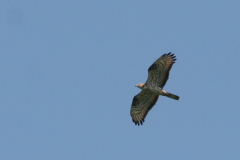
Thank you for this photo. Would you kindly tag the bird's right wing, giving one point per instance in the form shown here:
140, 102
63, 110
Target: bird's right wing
141, 105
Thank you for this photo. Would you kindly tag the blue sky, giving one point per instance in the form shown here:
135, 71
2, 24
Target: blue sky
69, 69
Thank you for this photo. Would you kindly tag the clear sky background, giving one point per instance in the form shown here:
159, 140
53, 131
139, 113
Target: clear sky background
68, 71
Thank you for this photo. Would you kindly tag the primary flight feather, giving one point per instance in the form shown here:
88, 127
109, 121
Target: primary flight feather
158, 74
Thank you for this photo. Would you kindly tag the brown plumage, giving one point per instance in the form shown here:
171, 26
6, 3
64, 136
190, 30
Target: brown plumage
158, 74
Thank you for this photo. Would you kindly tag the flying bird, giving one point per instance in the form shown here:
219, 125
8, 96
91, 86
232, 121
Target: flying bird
158, 74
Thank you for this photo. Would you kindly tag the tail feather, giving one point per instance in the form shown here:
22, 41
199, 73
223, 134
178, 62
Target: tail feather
173, 96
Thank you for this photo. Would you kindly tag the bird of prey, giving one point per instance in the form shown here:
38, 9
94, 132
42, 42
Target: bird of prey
158, 74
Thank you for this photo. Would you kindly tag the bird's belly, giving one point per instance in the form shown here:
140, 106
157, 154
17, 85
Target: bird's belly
155, 90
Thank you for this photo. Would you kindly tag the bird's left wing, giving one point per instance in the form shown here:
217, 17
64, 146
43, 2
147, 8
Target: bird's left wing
158, 72
141, 105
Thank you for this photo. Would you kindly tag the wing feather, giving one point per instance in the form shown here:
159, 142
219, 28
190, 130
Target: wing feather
141, 105
158, 72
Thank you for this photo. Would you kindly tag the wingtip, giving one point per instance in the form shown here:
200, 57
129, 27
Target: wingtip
170, 54
138, 123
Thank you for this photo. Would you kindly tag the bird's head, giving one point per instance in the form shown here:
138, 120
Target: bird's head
140, 85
